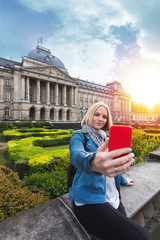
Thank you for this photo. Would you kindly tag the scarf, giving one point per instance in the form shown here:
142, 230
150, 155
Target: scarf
97, 136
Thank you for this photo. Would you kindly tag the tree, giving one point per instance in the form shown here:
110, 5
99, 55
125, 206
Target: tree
139, 108
156, 108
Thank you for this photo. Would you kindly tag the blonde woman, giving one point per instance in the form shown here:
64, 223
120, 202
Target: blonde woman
95, 189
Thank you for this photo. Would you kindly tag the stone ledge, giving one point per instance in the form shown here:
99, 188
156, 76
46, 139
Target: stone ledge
142, 200
146, 185
51, 220
155, 154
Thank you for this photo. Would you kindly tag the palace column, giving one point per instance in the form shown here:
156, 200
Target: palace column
129, 106
56, 94
71, 95
83, 101
76, 96
118, 105
56, 114
89, 100
27, 90
115, 107
122, 105
127, 103
38, 91
126, 106
64, 96
48, 92
1, 90
64, 115
37, 114
23, 88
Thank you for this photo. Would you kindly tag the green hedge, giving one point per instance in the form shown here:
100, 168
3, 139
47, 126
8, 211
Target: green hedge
35, 132
143, 143
152, 130
3, 126
15, 196
50, 141
53, 183
27, 158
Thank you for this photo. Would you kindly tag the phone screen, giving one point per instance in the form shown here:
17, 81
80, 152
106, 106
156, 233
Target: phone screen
120, 137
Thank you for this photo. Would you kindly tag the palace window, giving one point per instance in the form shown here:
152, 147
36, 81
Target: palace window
7, 82
86, 103
6, 112
7, 96
91, 102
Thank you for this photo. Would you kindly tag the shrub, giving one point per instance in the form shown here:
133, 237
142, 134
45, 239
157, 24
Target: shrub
26, 158
10, 125
143, 143
15, 196
47, 125
18, 125
37, 125
23, 129
54, 183
36, 132
52, 140
29, 124
3, 126
20, 152
57, 160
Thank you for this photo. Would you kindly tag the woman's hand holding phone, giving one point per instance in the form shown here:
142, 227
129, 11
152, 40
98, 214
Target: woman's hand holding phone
112, 163
120, 137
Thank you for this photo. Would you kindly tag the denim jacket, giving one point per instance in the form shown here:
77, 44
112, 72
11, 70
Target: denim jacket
88, 187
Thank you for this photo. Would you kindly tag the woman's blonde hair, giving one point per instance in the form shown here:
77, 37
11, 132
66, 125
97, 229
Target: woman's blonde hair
90, 113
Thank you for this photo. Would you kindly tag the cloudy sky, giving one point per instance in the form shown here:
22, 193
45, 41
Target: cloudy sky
98, 40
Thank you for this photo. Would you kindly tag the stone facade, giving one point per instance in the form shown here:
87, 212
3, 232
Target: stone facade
40, 89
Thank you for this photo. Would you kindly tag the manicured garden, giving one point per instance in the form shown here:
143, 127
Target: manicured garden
39, 158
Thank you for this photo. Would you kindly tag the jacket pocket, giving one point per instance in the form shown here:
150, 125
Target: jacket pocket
89, 148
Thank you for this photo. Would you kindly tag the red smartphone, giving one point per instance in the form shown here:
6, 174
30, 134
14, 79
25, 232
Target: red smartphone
120, 137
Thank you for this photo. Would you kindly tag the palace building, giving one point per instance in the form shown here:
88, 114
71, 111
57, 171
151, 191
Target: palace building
40, 89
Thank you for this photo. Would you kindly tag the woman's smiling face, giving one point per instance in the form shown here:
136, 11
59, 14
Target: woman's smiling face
99, 118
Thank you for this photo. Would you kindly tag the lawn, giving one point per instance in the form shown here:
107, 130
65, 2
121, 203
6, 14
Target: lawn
57, 147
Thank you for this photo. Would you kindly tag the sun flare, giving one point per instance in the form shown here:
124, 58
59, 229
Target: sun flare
145, 85
147, 89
